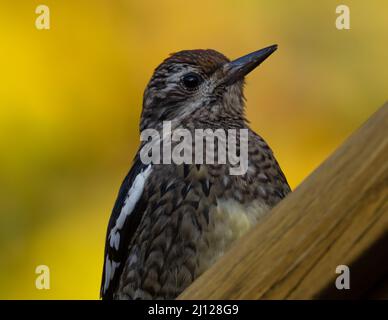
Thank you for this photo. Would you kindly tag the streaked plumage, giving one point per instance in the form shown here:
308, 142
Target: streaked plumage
171, 222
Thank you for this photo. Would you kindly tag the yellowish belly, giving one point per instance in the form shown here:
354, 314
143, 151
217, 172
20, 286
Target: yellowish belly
229, 221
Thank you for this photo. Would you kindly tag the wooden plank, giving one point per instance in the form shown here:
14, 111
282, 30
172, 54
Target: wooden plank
380, 291
337, 216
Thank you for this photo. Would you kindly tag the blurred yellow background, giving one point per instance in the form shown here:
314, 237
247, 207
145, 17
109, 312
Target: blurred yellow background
70, 100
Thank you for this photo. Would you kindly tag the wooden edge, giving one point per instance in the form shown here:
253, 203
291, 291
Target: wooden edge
337, 216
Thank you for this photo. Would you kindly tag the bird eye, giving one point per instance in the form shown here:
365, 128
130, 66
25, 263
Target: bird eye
192, 80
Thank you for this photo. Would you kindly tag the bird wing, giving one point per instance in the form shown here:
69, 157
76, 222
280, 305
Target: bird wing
124, 220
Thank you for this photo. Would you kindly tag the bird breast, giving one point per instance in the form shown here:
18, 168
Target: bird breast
229, 221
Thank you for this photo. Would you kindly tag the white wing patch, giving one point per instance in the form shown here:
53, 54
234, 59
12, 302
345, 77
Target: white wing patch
110, 268
133, 196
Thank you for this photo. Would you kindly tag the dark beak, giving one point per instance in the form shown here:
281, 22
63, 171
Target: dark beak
237, 69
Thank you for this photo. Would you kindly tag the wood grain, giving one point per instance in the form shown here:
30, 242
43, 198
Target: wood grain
337, 216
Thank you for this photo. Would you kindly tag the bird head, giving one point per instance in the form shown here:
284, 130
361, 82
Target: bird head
198, 79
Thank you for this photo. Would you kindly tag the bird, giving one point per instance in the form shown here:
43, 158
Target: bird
172, 221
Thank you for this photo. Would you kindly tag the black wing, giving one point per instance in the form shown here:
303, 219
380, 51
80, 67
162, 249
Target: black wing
116, 252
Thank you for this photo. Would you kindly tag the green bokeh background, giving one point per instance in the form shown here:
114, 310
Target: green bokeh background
70, 99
